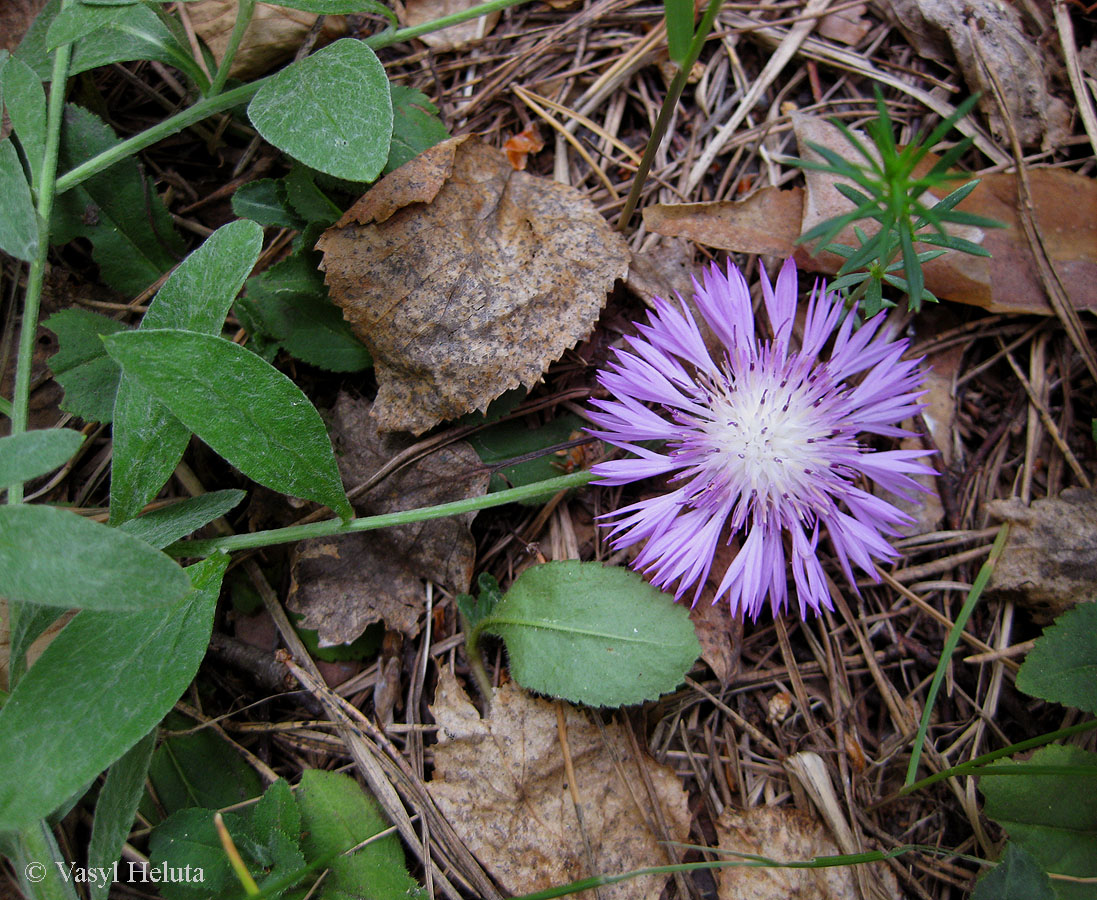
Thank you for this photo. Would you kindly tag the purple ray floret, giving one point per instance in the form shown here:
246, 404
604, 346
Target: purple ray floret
761, 443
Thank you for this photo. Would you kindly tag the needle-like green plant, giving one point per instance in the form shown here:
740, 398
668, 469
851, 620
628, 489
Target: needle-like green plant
887, 188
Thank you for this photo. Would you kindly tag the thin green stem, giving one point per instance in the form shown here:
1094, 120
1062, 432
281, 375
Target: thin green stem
244, 13
476, 661
32, 300
332, 527
951, 642
210, 106
5, 407
666, 111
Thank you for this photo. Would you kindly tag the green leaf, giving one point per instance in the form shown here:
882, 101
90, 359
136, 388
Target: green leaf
307, 199
1062, 665
1016, 877
415, 125
514, 440
26, 103
276, 811
474, 611
266, 202
593, 634
341, 7
679, 18
81, 366
149, 440
311, 328
18, 220
53, 557
133, 238
362, 647
167, 525
26, 621
336, 815
115, 809
189, 837
101, 685
244, 408
332, 111
32, 453
1050, 816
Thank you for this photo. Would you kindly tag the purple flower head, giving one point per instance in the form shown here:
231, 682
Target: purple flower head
762, 440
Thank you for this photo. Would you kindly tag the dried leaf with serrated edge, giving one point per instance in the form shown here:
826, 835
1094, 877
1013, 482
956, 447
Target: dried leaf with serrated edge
502, 783
343, 585
465, 278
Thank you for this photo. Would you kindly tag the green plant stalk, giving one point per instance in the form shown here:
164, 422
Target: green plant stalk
5, 407
980, 761
951, 642
333, 527
244, 13
210, 106
666, 111
28, 328
235, 860
476, 661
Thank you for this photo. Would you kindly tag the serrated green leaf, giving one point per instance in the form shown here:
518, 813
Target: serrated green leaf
276, 811
265, 201
244, 408
415, 125
32, 453
133, 238
1016, 877
18, 220
593, 634
103, 683
171, 523
1062, 665
81, 366
1050, 816
332, 111
26, 103
116, 808
336, 815
307, 199
53, 557
188, 837
149, 440
313, 330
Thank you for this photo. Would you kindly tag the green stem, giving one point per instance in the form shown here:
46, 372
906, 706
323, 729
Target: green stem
210, 106
476, 661
666, 111
333, 527
950, 646
244, 13
28, 328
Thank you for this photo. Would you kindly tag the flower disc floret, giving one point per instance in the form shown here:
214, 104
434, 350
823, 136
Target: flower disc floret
759, 440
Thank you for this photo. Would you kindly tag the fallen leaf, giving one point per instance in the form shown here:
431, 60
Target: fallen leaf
770, 221
273, 36
995, 33
418, 12
847, 25
343, 585
518, 147
465, 279
502, 784
784, 834
718, 631
1050, 559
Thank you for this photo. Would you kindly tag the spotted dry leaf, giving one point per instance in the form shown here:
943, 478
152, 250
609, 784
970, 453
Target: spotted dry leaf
344, 584
501, 782
465, 278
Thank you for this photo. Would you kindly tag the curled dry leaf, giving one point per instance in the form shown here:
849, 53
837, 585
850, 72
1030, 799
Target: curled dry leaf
1049, 561
465, 279
502, 784
786, 835
771, 220
419, 12
273, 36
344, 584
518, 147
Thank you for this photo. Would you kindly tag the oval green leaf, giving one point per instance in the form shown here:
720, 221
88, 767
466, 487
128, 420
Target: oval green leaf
332, 111
18, 221
52, 557
33, 453
244, 408
1062, 665
102, 684
593, 634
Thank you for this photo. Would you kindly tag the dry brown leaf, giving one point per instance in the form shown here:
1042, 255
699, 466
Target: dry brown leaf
847, 25
1049, 563
501, 782
770, 221
518, 147
465, 279
993, 31
273, 36
719, 632
419, 12
784, 834
343, 585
